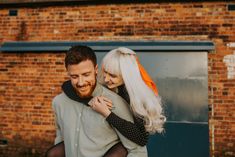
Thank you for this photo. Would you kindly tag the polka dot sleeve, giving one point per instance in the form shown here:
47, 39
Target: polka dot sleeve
133, 131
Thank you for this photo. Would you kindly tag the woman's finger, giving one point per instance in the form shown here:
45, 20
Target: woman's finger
109, 104
91, 102
106, 99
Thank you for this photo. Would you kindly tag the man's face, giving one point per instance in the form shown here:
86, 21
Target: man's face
83, 77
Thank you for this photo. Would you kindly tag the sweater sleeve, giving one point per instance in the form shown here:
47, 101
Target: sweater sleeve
133, 131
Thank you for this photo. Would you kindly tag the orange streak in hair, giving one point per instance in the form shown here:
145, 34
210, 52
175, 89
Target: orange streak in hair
146, 78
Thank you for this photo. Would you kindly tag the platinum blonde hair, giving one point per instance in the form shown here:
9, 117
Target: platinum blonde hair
143, 102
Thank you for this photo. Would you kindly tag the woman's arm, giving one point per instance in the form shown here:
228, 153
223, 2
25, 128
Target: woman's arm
133, 131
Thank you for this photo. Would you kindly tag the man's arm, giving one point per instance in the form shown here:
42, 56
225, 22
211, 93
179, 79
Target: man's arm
59, 137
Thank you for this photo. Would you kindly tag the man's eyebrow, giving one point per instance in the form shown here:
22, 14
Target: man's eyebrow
86, 73
73, 74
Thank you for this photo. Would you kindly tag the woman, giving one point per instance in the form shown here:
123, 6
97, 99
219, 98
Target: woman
123, 74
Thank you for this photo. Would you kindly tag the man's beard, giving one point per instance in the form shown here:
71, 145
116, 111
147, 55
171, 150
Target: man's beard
89, 94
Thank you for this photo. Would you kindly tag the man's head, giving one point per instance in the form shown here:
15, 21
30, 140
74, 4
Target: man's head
82, 68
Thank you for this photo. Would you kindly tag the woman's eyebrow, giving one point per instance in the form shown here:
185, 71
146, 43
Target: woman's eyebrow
109, 73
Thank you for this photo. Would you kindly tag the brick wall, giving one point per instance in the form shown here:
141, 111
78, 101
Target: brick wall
29, 81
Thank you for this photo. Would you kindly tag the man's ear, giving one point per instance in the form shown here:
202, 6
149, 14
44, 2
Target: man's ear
67, 71
96, 69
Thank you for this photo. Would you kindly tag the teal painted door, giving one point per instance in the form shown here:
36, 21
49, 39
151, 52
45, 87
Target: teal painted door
182, 80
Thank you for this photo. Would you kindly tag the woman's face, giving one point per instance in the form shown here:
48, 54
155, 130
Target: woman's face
111, 80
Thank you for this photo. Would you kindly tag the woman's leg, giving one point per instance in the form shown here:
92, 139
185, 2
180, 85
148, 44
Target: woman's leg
56, 150
118, 150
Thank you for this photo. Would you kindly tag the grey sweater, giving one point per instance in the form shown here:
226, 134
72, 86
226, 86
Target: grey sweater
87, 133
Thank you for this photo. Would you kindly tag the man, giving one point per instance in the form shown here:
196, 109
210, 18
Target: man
85, 132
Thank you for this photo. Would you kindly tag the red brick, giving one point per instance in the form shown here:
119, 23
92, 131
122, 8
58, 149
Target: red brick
27, 88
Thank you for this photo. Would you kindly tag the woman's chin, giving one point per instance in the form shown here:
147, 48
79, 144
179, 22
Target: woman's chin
111, 87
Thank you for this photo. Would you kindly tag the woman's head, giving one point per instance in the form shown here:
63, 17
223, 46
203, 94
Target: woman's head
111, 72
119, 66
112, 80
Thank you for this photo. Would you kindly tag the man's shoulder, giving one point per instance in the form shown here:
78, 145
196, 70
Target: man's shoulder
120, 106
59, 98
116, 99
110, 94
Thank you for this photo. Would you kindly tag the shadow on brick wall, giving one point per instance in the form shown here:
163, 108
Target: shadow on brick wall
35, 147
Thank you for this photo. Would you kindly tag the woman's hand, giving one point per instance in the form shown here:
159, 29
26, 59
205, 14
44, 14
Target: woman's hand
101, 105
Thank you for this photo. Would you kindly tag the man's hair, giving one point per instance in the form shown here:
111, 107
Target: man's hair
77, 54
